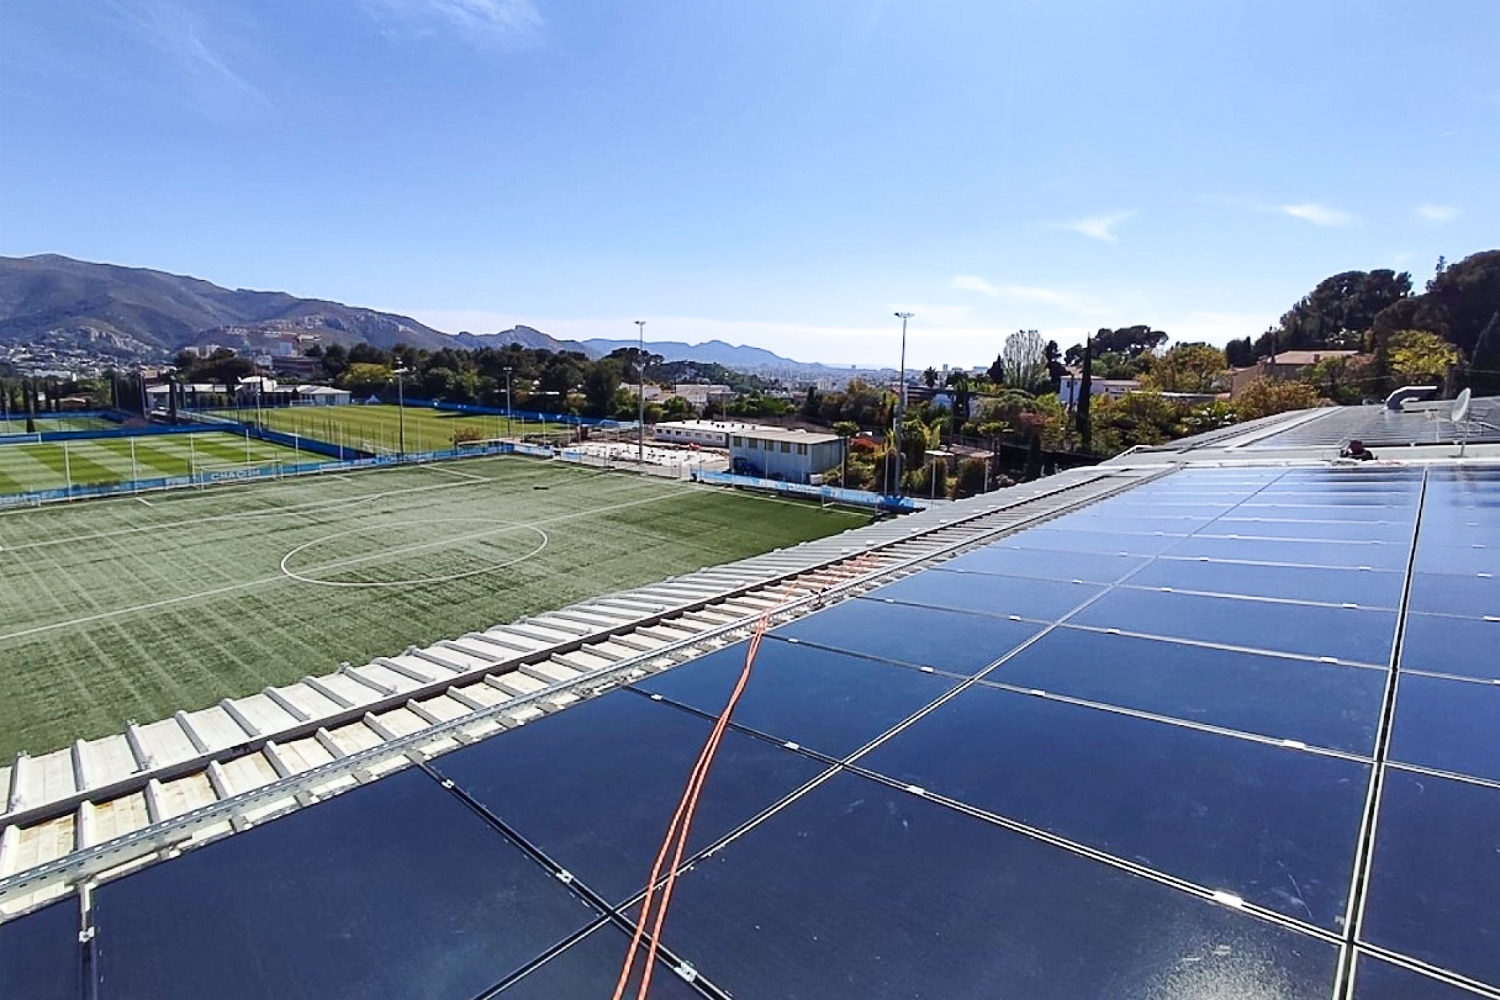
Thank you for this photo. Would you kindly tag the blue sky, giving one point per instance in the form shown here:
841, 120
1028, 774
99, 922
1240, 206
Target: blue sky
786, 174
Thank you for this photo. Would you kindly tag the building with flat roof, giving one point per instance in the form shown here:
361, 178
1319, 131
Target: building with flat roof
791, 455
704, 433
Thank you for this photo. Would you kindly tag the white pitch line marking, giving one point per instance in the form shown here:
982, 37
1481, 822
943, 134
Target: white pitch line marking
278, 578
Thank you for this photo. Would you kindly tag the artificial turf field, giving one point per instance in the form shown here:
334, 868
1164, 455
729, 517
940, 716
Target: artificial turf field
120, 609
17, 425
25, 468
377, 428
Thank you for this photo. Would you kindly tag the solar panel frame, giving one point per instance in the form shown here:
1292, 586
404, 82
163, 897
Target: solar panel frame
957, 642
595, 786
860, 889
1336, 706
392, 890
1435, 874
1178, 800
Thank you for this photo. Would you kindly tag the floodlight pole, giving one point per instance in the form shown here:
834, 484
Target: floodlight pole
507, 400
640, 374
901, 397
400, 411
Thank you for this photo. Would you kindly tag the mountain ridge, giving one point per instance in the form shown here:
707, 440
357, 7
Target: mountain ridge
150, 314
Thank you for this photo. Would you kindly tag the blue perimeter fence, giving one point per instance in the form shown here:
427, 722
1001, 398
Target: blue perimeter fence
114, 416
569, 419
346, 459
826, 494
212, 477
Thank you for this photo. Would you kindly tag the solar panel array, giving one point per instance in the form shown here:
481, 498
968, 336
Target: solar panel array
1418, 423
1155, 748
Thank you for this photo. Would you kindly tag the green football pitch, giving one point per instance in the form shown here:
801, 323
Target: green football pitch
17, 425
25, 468
377, 428
132, 608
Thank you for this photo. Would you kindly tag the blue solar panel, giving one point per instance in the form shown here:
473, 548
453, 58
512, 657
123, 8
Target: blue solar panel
1136, 523
1352, 555
1393, 531
1009, 560
997, 595
595, 786
1354, 634
1164, 507
1376, 979
1459, 557
1112, 542
1273, 825
1457, 526
1295, 495
858, 890
830, 702
947, 640
1323, 704
1435, 875
1448, 725
1469, 647
590, 967
1367, 588
395, 890
1448, 527
1471, 595
39, 954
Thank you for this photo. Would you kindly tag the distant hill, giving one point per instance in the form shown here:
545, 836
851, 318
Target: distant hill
135, 312
523, 335
713, 351
742, 358
148, 313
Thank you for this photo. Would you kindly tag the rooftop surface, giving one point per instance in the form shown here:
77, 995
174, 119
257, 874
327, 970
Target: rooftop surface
1223, 727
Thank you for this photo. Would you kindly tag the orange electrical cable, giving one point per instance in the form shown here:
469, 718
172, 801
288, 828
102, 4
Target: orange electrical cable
679, 828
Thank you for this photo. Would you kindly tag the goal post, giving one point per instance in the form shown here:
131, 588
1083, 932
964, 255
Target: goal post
209, 473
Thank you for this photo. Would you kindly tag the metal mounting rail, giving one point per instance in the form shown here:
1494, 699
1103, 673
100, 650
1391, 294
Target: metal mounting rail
473, 695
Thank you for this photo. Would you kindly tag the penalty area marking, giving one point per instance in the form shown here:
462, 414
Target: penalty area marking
501, 526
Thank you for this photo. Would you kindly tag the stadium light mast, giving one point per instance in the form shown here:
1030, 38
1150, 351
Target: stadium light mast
508, 370
400, 410
901, 396
640, 374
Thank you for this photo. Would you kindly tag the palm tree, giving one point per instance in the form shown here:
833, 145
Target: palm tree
930, 377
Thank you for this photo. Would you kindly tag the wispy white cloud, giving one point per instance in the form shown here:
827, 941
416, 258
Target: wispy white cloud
1025, 293
477, 21
1099, 227
1318, 214
1437, 213
181, 32
972, 283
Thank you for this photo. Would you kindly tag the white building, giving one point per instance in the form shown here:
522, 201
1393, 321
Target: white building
702, 395
1071, 385
704, 433
791, 455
